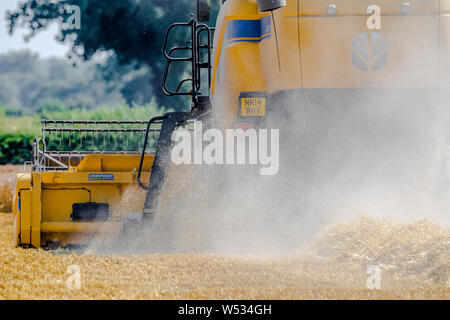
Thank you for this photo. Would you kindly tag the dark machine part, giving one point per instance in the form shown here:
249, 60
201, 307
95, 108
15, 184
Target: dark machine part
199, 55
270, 5
197, 52
90, 211
170, 122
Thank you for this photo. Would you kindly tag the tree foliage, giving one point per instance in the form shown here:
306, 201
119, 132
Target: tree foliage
133, 30
27, 83
15, 148
16, 133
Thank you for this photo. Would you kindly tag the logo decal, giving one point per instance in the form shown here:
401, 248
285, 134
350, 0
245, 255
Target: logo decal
369, 51
101, 177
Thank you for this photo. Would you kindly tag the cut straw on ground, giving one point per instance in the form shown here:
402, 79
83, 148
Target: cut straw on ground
413, 259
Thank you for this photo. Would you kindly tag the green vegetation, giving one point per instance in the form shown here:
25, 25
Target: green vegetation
15, 148
28, 83
32, 89
131, 32
17, 132
113, 70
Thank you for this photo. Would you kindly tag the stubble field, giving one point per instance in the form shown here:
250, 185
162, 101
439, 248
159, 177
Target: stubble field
406, 261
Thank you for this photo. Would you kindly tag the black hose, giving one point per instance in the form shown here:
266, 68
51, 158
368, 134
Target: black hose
141, 163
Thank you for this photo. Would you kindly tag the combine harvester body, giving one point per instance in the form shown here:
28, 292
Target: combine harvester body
68, 197
258, 55
328, 45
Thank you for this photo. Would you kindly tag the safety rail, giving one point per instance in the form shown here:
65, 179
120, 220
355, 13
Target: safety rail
198, 54
65, 143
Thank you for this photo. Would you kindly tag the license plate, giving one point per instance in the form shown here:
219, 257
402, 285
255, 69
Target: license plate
253, 107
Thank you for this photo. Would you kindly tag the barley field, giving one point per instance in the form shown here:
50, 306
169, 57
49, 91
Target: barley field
412, 261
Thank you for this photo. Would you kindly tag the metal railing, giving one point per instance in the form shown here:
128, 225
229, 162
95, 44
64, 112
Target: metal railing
197, 52
65, 143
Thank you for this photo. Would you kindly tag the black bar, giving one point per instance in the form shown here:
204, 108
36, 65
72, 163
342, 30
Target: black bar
83, 153
242, 309
93, 122
82, 130
141, 163
161, 161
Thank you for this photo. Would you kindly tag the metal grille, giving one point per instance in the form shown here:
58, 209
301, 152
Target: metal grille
65, 143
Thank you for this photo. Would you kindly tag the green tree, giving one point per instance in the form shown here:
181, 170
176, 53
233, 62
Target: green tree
26, 82
132, 29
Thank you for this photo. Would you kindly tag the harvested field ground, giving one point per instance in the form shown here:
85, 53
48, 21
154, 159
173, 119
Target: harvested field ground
413, 259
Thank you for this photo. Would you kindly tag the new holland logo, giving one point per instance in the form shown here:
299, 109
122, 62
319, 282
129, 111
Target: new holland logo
369, 51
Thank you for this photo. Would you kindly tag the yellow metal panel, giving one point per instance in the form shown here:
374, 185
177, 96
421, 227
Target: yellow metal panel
80, 227
25, 217
127, 163
237, 66
247, 54
411, 46
243, 73
444, 6
114, 163
57, 200
287, 74
36, 208
323, 57
83, 178
239, 7
23, 182
91, 162
46, 203
346, 7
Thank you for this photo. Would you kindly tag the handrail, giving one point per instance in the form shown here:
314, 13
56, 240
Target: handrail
195, 47
94, 135
141, 162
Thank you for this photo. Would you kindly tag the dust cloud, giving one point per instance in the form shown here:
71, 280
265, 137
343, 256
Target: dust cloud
380, 152
343, 153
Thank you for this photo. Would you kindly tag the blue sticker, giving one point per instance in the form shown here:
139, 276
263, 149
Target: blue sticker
248, 30
101, 177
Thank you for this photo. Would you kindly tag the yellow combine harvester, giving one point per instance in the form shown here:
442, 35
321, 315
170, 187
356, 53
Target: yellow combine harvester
261, 56
68, 196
